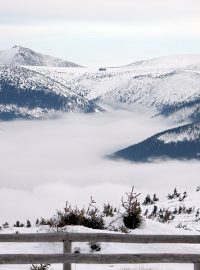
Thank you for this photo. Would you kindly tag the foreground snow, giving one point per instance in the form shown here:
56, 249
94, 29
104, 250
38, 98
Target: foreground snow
148, 227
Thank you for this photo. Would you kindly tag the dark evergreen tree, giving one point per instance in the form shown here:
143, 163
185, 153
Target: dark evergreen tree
28, 224
147, 200
155, 199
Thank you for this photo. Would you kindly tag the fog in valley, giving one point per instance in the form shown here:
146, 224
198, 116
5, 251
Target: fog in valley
48, 162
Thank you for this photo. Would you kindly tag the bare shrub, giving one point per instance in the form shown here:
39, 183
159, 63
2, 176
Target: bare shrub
40, 267
91, 218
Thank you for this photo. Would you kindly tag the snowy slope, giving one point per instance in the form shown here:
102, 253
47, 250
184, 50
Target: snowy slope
29, 94
172, 91
185, 212
170, 86
178, 143
167, 63
24, 56
182, 223
106, 248
189, 133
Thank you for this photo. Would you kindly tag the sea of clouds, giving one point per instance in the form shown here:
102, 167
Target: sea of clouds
48, 162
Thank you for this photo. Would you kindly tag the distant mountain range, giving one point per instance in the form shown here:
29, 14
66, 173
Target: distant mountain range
167, 63
179, 143
27, 94
33, 85
168, 85
25, 57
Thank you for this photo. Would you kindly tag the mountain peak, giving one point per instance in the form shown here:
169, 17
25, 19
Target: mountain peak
19, 48
18, 55
16, 46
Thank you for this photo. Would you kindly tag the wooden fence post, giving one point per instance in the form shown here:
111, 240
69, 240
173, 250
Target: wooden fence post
196, 266
67, 248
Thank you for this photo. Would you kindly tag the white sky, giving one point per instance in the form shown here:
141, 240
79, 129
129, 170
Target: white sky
106, 32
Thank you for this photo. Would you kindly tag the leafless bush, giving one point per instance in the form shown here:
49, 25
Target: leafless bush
40, 267
91, 218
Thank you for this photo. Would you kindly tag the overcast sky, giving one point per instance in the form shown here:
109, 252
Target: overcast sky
102, 32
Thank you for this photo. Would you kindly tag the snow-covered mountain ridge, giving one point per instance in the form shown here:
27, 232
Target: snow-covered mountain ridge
182, 134
179, 143
172, 91
169, 63
26, 57
29, 94
169, 86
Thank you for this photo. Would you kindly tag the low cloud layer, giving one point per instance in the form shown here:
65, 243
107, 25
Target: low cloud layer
45, 163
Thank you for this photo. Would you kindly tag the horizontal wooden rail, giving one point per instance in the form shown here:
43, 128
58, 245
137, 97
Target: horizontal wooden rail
67, 258
100, 237
99, 258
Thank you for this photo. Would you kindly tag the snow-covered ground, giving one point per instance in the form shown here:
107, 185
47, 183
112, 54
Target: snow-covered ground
148, 226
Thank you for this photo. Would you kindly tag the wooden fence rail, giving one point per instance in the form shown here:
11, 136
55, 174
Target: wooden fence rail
67, 257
